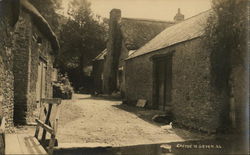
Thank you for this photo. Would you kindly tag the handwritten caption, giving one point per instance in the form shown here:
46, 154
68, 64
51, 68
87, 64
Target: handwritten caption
199, 146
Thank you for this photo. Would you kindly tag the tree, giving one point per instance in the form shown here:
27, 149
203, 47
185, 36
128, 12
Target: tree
82, 38
226, 39
226, 34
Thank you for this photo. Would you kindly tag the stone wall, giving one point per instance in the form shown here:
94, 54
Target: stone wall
37, 53
22, 50
27, 54
18, 69
6, 76
139, 79
193, 103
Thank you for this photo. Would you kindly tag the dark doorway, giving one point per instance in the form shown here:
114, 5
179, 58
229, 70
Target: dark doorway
162, 82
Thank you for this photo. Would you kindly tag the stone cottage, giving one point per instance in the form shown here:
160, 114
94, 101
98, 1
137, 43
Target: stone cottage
172, 72
26, 60
97, 72
125, 36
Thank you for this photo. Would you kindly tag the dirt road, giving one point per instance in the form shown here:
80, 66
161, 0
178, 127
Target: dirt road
88, 120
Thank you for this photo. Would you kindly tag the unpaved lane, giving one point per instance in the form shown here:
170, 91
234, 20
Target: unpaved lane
88, 120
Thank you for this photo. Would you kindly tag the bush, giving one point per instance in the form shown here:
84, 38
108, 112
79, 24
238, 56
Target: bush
62, 88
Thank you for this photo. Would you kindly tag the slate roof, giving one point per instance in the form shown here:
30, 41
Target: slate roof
189, 29
137, 32
101, 55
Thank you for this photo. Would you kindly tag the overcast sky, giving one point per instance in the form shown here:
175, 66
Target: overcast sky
150, 9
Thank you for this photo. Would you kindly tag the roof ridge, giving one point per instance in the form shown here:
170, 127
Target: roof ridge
147, 19
135, 54
197, 14
189, 18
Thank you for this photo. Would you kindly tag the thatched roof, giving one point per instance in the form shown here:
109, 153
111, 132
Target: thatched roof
189, 29
41, 23
10, 9
137, 32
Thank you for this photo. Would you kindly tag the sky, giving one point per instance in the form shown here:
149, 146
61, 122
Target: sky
149, 9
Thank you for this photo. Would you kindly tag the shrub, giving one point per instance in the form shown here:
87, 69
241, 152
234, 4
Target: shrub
62, 88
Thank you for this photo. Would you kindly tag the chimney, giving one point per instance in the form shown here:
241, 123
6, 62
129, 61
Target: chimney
114, 46
115, 15
179, 17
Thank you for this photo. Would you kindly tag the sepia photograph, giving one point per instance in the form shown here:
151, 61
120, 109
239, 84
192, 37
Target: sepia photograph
124, 77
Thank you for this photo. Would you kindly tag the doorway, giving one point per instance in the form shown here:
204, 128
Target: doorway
162, 82
41, 80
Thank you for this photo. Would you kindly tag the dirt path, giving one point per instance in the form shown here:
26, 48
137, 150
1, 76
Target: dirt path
88, 120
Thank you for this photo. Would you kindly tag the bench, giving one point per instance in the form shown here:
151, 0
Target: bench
28, 144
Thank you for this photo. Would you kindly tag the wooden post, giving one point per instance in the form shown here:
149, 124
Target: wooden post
51, 144
2, 137
46, 122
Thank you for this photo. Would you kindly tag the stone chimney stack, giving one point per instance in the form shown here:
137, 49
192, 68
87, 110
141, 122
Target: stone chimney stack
114, 46
179, 17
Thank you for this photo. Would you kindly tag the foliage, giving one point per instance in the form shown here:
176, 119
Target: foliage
62, 88
82, 37
226, 38
48, 9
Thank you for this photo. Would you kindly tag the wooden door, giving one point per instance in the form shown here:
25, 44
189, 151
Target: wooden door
41, 81
160, 84
163, 82
168, 81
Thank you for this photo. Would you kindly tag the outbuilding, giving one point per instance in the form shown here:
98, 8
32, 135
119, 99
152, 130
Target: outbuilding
173, 73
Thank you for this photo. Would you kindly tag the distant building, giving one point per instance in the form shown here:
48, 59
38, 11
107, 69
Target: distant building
97, 73
125, 35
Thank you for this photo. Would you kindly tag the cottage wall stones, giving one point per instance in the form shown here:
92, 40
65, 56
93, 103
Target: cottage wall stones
6, 75
191, 88
6, 60
28, 55
21, 53
22, 48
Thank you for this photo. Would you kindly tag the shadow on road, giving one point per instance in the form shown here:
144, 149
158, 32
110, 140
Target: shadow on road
99, 97
145, 114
